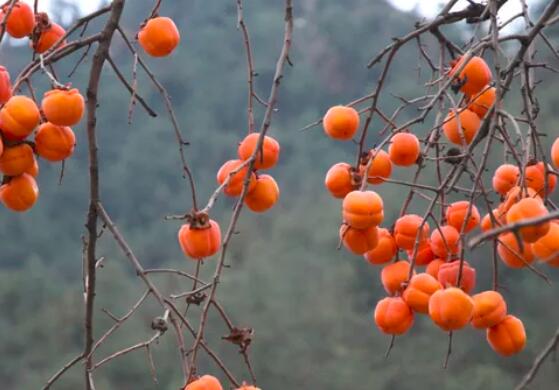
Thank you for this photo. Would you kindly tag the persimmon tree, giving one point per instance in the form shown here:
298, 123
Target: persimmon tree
42, 128
468, 123
469, 128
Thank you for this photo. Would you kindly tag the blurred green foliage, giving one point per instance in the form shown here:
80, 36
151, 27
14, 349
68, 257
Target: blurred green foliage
311, 306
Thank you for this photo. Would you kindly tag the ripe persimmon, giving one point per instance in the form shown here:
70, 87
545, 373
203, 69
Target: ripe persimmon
529, 208
34, 169
404, 149
63, 107
384, 251
266, 159
473, 77
359, 241
505, 178
547, 247
159, 36
20, 193
19, 117
393, 276
445, 241
21, 20
434, 266
487, 223
483, 101
507, 337
514, 196
198, 242
510, 253
407, 231
424, 253
206, 382
448, 275
248, 387
264, 195
464, 133
16, 159
5, 85
341, 122
534, 177
340, 180
393, 316
380, 169
48, 37
554, 150
451, 308
419, 291
235, 185
362, 209
457, 212
54, 143
490, 308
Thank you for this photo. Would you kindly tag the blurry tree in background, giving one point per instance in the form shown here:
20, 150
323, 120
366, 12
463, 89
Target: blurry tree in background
289, 310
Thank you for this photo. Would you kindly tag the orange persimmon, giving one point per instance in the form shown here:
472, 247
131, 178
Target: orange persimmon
341, 122
20, 193
424, 253
49, 35
554, 152
448, 275
200, 242
473, 77
505, 178
54, 143
340, 180
529, 208
465, 133
206, 382
490, 308
21, 21
16, 159
394, 275
451, 308
547, 247
5, 85
362, 209
445, 241
384, 251
359, 241
264, 195
393, 316
235, 185
404, 149
456, 216
487, 223
380, 169
514, 196
534, 177
507, 337
266, 159
63, 107
407, 231
433, 267
19, 117
510, 253
159, 36
483, 101
34, 169
419, 291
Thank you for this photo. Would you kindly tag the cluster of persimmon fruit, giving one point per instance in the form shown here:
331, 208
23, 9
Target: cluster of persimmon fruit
200, 237
209, 382
20, 117
443, 290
